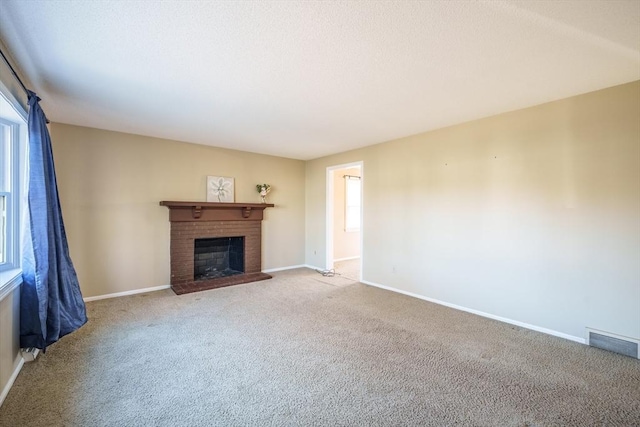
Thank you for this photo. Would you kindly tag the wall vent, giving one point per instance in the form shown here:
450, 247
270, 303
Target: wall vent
612, 342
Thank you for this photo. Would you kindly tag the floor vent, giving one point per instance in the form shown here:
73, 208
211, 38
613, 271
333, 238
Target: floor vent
612, 342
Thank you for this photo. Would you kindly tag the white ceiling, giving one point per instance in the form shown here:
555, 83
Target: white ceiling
303, 79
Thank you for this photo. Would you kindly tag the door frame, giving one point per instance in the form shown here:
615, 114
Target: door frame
329, 213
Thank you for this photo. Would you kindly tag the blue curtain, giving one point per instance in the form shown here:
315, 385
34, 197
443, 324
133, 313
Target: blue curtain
51, 304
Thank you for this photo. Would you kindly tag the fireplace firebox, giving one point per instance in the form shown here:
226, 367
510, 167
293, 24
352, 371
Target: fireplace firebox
218, 257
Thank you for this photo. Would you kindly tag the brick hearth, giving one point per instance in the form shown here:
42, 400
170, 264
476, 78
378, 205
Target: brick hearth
194, 220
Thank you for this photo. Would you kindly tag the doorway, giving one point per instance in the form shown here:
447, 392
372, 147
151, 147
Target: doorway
344, 219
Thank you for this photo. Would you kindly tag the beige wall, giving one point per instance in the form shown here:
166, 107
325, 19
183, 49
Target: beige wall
110, 185
531, 215
346, 244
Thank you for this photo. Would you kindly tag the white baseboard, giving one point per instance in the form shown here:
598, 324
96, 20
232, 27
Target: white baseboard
346, 259
291, 267
125, 293
7, 387
481, 313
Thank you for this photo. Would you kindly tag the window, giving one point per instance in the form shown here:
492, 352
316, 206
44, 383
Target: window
12, 142
352, 203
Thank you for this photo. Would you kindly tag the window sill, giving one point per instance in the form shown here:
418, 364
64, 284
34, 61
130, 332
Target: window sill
9, 280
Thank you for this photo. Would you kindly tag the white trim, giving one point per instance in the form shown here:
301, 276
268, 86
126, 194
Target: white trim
346, 259
126, 293
9, 280
17, 136
291, 267
7, 387
481, 313
328, 252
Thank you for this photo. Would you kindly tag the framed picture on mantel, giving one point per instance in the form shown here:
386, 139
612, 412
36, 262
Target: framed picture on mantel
220, 189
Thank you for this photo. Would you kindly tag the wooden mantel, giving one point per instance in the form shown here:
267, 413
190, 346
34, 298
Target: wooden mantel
207, 211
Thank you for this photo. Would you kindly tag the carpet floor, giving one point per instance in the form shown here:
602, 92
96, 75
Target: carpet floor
306, 350
349, 269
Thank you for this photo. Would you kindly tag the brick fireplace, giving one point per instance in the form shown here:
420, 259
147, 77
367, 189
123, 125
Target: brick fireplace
201, 222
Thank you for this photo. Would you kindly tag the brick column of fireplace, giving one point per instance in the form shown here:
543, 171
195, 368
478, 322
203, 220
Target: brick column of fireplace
199, 220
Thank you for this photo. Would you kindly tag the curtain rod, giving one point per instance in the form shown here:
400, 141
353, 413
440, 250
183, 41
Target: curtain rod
26, 91
351, 176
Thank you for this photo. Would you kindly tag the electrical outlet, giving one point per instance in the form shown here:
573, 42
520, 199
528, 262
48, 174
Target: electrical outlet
393, 269
315, 253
